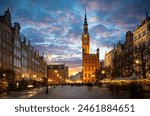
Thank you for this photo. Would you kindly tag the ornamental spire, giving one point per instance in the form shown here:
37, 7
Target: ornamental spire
85, 18
85, 24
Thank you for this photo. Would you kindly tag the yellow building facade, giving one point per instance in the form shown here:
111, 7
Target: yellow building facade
90, 62
142, 32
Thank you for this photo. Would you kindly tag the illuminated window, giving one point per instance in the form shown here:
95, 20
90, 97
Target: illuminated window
89, 75
85, 67
85, 75
92, 68
89, 68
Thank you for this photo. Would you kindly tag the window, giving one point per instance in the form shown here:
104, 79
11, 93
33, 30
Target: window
10, 59
89, 68
89, 75
139, 36
85, 67
4, 44
17, 43
144, 32
85, 75
92, 68
134, 37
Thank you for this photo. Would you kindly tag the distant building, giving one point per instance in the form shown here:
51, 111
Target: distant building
108, 59
90, 62
76, 77
57, 73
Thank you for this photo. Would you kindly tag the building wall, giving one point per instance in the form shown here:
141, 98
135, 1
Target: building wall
17, 51
90, 62
108, 59
24, 60
18, 56
141, 33
6, 45
90, 65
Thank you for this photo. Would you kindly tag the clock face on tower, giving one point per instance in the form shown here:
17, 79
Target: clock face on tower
85, 35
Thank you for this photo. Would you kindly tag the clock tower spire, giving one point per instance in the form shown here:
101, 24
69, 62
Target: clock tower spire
90, 62
85, 37
85, 24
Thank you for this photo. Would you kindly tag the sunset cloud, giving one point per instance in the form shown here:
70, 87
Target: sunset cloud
55, 27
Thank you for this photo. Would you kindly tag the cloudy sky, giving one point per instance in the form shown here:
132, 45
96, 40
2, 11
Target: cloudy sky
55, 27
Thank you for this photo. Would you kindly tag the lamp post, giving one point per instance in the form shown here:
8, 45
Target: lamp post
7, 84
4, 76
47, 83
137, 63
47, 86
103, 73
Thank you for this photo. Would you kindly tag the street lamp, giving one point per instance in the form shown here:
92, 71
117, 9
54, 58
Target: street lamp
22, 75
103, 72
47, 83
137, 61
4, 76
34, 76
55, 71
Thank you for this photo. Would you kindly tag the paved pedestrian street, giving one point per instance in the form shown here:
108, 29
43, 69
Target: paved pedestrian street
67, 92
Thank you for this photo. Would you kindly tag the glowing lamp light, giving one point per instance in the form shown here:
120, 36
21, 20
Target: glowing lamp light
55, 71
34, 76
103, 72
137, 61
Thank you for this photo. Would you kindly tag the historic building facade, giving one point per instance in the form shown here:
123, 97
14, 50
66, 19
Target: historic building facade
142, 32
90, 62
17, 51
131, 58
19, 61
6, 48
57, 74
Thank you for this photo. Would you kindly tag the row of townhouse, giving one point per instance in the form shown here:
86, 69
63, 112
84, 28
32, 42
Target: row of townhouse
19, 61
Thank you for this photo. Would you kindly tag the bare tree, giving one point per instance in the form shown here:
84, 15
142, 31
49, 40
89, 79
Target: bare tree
132, 60
142, 59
